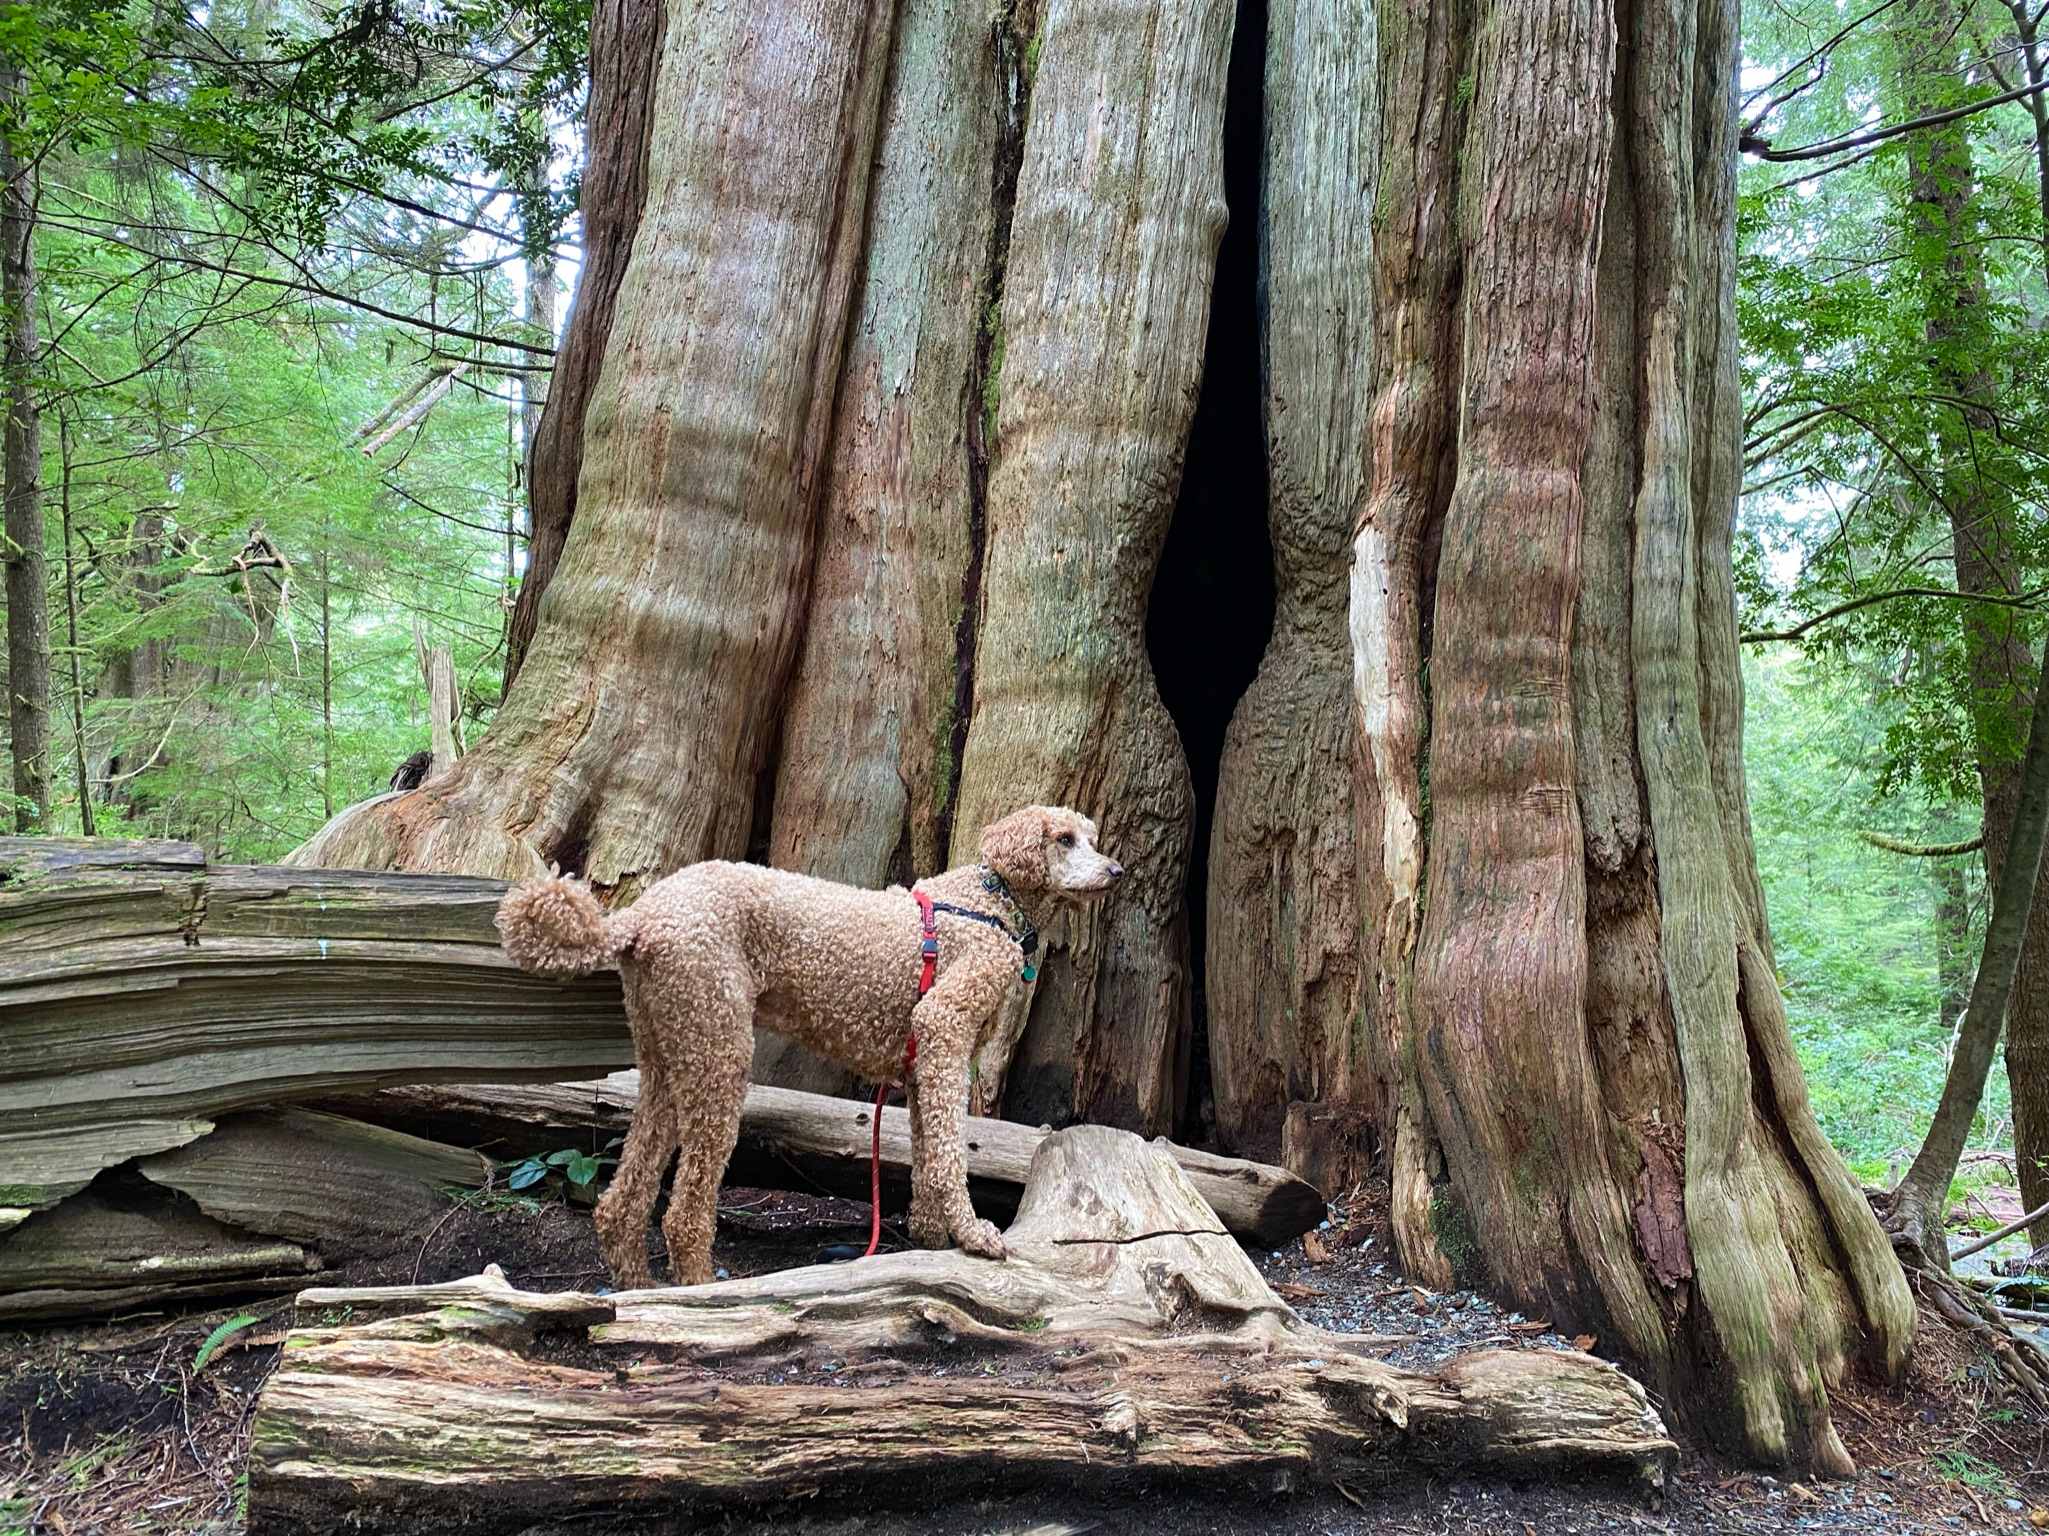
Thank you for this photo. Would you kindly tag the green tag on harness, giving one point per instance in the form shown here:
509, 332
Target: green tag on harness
1031, 973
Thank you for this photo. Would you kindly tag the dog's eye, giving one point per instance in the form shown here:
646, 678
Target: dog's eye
1065, 839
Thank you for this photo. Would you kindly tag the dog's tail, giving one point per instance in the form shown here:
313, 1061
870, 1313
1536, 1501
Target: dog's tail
556, 927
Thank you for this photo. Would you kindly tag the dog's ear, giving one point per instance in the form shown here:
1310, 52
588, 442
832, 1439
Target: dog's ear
1015, 847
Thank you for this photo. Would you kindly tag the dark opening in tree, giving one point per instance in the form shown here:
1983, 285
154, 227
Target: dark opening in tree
1213, 599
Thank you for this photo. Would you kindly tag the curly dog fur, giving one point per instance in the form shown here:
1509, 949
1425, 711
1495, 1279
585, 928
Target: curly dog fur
717, 948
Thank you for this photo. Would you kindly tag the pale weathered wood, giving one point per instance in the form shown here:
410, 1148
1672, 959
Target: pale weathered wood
1125, 1336
807, 1141
334, 1184
143, 991
486, 1303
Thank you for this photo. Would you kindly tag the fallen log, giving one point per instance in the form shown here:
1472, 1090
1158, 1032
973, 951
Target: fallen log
1126, 1337
144, 992
806, 1141
252, 1207
99, 1253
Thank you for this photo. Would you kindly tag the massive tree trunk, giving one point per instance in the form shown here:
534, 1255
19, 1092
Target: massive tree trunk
1586, 1077
1105, 307
1482, 872
21, 477
643, 713
875, 718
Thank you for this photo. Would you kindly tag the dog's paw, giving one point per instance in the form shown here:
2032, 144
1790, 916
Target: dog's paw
983, 1240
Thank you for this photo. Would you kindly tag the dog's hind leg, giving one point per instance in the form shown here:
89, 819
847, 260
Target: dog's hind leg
622, 1214
707, 1103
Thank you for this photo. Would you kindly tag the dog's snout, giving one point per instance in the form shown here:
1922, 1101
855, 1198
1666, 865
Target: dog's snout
1116, 871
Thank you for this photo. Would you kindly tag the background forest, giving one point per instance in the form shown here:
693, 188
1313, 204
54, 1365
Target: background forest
283, 282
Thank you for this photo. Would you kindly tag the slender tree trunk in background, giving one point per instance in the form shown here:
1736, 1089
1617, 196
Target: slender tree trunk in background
2027, 1019
525, 407
1923, 1194
876, 714
1283, 977
626, 42
1594, 1098
1942, 201
1954, 961
326, 680
85, 815
702, 451
1102, 327
21, 475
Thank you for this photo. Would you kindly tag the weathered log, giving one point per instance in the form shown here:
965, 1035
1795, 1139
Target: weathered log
246, 1208
144, 991
807, 1141
334, 1184
98, 1253
1127, 1336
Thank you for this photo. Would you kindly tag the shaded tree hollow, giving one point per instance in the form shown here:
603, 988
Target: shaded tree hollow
1213, 597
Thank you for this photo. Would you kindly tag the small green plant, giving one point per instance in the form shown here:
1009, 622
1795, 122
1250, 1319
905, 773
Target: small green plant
1960, 1466
580, 1168
210, 1346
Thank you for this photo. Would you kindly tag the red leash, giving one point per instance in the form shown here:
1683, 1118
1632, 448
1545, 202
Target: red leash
927, 970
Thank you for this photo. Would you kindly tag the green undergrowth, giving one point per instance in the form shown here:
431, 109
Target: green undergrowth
1853, 927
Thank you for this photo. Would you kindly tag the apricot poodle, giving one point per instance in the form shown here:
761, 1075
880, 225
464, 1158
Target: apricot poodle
718, 947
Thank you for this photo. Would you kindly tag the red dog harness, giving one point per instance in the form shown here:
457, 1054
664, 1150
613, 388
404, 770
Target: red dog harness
928, 971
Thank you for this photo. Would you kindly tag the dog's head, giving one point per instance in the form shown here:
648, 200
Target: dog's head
1049, 849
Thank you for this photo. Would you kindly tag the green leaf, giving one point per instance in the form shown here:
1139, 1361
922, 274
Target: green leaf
581, 1170
218, 1337
527, 1173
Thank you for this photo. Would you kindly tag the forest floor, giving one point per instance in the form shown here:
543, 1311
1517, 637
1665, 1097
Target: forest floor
109, 1428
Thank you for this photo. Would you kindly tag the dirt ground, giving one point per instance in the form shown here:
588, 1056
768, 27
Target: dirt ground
114, 1428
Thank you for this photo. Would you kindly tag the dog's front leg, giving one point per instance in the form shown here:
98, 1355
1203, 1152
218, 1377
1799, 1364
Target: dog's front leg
928, 1210
939, 1171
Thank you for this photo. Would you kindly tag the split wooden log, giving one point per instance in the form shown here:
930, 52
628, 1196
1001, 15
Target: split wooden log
806, 1141
255, 1205
144, 992
1127, 1336
100, 1253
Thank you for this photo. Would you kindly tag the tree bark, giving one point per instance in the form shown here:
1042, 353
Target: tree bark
875, 720
1954, 961
21, 479
1283, 978
1583, 1065
626, 40
702, 452
1086, 1354
1101, 335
